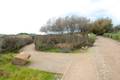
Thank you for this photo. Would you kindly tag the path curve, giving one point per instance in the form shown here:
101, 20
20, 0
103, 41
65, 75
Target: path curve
101, 62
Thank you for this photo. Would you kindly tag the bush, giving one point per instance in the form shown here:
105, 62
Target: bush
91, 39
63, 43
44, 42
115, 35
101, 26
14, 42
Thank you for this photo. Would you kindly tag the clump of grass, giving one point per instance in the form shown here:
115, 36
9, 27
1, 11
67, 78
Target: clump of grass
21, 73
5, 58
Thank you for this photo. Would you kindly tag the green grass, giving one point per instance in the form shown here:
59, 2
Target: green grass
20, 73
52, 50
58, 50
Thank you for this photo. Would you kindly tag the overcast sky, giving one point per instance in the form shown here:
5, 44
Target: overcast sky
29, 15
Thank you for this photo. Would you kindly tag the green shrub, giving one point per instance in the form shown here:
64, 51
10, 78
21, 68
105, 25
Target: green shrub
91, 39
115, 35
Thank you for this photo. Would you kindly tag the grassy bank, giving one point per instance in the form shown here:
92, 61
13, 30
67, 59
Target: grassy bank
12, 72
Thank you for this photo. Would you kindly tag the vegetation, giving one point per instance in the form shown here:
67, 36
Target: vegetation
71, 32
60, 43
115, 35
101, 26
23, 33
14, 42
12, 72
28, 34
91, 38
68, 24
72, 24
116, 28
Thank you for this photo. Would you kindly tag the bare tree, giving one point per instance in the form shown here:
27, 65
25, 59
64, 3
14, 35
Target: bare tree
69, 24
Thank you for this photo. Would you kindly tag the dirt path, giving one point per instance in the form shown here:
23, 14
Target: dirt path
52, 62
107, 59
101, 62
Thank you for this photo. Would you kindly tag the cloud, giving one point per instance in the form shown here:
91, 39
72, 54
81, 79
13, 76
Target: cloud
29, 15
110, 8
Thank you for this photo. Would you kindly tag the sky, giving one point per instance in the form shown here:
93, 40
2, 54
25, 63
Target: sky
28, 16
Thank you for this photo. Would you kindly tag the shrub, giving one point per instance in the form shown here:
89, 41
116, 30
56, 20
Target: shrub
14, 42
63, 43
115, 35
91, 39
44, 42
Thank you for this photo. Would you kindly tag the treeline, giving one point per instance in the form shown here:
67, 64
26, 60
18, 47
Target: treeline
72, 24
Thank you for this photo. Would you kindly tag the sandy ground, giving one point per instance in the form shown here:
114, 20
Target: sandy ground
101, 62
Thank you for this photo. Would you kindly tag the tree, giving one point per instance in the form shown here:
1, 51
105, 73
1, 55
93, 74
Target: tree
54, 26
72, 24
69, 24
101, 26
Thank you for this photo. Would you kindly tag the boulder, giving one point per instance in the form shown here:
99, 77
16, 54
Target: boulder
21, 59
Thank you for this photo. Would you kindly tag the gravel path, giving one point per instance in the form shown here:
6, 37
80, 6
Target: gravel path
101, 62
107, 59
